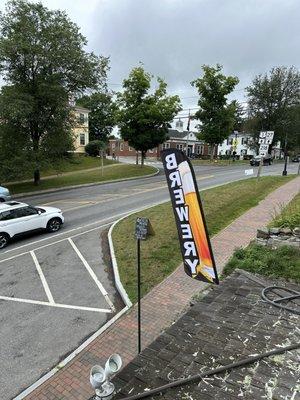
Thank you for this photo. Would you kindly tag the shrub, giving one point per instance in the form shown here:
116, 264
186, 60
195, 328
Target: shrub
93, 148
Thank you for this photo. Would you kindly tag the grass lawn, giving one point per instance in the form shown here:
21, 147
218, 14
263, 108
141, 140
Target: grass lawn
161, 252
120, 171
77, 163
219, 162
283, 262
289, 216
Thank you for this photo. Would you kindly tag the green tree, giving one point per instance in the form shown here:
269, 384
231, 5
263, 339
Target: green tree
216, 115
102, 117
273, 101
239, 117
44, 64
94, 147
144, 117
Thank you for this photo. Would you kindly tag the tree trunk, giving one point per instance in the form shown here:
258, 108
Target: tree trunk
137, 158
36, 173
143, 157
37, 176
212, 150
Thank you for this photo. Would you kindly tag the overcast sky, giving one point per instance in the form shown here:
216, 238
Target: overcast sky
173, 38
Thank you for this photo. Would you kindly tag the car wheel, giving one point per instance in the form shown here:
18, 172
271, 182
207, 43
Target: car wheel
54, 225
4, 238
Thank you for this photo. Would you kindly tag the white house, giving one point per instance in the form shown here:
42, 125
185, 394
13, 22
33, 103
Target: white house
238, 142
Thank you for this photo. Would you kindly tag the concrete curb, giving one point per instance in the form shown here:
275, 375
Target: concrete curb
70, 357
66, 188
118, 282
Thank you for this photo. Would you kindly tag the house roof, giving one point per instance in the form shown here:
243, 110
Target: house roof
174, 133
229, 323
79, 108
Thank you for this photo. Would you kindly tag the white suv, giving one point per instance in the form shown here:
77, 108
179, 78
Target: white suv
17, 218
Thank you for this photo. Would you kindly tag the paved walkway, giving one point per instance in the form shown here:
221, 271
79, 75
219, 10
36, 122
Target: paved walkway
160, 307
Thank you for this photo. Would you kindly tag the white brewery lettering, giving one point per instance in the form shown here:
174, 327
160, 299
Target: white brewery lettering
189, 247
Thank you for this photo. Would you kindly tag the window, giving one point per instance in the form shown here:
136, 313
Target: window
130, 148
82, 139
81, 118
198, 149
179, 146
166, 145
121, 146
113, 146
6, 215
24, 212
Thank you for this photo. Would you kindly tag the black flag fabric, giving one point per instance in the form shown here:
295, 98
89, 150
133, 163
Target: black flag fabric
188, 211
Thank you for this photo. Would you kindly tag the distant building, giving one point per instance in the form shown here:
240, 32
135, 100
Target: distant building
81, 129
238, 143
182, 140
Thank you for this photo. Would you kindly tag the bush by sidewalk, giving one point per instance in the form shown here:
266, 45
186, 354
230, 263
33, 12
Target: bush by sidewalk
289, 217
281, 262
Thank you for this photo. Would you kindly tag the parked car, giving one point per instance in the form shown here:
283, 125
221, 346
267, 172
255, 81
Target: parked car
296, 158
4, 194
18, 218
255, 161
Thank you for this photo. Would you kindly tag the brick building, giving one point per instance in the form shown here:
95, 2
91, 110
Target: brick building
181, 140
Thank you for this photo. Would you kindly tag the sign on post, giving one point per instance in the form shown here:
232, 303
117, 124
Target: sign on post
143, 228
263, 149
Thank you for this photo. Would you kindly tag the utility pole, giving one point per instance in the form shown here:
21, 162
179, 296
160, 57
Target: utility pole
187, 136
284, 172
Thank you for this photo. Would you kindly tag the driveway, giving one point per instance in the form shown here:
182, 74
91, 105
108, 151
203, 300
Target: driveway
51, 298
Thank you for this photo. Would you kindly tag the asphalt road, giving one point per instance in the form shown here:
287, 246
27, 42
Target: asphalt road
57, 289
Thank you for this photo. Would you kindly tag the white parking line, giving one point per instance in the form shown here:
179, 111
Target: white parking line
43, 279
57, 305
93, 275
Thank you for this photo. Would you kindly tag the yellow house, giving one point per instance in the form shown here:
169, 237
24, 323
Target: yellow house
81, 129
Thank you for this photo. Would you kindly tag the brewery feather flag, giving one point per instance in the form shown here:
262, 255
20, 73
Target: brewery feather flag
192, 231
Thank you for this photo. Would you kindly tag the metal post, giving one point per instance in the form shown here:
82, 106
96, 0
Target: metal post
187, 137
284, 172
139, 291
260, 166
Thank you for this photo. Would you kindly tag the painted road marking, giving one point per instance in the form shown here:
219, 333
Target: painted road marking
51, 302
57, 305
93, 275
52, 243
43, 279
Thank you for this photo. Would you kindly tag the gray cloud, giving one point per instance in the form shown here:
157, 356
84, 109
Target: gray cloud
173, 38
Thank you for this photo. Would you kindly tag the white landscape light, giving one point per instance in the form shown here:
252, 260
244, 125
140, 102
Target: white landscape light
99, 377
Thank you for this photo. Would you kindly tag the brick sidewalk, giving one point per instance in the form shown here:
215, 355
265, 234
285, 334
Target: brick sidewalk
160, 307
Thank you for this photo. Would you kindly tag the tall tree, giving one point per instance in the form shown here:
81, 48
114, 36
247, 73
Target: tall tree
273, 100
144, 117
44, 64
102, 117
217, 116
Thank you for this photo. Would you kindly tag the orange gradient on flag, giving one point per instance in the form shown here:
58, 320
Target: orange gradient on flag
205, 265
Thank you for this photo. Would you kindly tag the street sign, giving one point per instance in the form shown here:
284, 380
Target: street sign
141, 228
249, 172
263, 149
